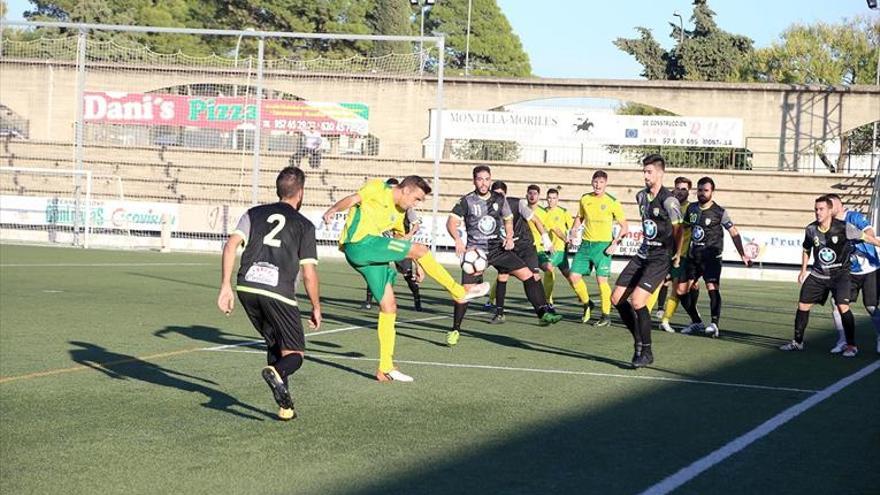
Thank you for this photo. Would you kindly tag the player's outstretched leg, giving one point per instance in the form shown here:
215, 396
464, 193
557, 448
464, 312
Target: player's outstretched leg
535, 294
422, 255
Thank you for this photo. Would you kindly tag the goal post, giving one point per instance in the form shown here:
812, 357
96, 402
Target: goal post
75, 208
46, 205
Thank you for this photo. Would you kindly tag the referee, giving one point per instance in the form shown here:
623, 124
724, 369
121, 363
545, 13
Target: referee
278, 241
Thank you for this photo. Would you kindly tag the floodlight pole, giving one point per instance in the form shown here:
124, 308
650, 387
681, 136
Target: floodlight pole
467, 42
680, 27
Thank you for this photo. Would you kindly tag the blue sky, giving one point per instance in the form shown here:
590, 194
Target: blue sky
574, 38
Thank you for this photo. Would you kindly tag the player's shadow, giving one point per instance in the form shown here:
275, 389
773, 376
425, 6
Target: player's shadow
126, 367
507, 341
317, 359
175, 280
210, 335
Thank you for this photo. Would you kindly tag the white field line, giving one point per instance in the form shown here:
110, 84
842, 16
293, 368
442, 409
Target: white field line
551, 371
690, 472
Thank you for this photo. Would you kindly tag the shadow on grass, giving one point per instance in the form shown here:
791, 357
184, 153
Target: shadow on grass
210, 335
126, 367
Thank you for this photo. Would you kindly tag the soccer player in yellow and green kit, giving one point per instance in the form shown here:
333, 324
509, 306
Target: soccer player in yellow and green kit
557, 220
597, 212
374, 209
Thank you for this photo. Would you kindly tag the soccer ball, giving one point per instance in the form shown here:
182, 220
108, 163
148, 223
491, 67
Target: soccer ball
474, 261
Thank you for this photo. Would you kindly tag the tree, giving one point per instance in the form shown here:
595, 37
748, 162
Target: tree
828, 54
390, 17
487, 150
705, 53
494, 48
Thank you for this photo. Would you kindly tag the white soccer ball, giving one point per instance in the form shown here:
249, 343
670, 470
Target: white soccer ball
474, 261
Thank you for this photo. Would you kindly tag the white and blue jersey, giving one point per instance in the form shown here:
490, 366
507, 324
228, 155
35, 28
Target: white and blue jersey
864, 258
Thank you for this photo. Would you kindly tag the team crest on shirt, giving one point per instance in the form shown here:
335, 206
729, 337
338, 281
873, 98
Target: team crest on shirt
834, 239
487, 225
649, 228
708, 221
495, 206
603, 207
656, 211
827, 255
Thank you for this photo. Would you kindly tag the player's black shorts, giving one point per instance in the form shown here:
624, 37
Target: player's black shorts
647, 273
502, 260
278, 322
529, 255
815, 290
867, 284
707, 268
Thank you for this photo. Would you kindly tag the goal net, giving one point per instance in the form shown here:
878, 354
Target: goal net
77, 208
200, 135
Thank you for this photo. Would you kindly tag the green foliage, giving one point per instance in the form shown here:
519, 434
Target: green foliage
487, 150
705, 53
494, 48
827, 54
821, 53
390, 17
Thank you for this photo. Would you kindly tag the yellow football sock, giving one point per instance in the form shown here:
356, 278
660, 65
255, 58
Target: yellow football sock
671, 305
549, 282
437, 272
652, 299
386, 341
580, 288
605, 297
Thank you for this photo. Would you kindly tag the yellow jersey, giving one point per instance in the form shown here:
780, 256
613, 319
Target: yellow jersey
598, 214
558, 218
541, 214
375, 214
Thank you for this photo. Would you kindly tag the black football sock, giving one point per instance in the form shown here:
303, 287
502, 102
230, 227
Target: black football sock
849, 327
661, 298
288, 365
535, 294
458, 315
413, 285
643, 321
629, 319
500, 293
715, 305
801, 318
687, 302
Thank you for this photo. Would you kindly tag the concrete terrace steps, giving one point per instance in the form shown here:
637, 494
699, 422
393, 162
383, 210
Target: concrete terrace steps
779, 200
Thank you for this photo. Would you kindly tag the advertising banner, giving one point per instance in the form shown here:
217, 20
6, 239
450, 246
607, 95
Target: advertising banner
224, 112
129, 215
565, 128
